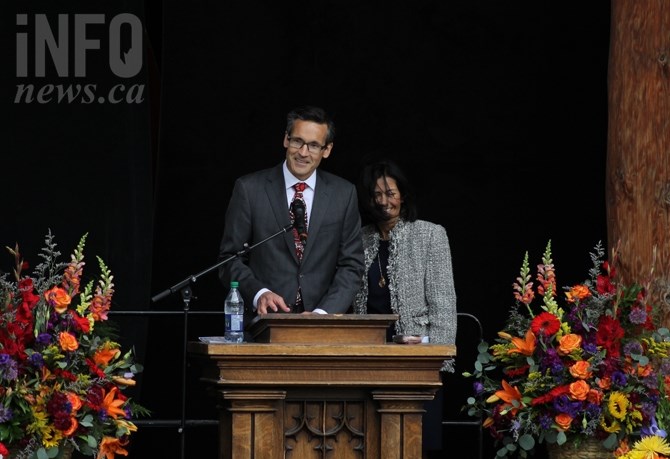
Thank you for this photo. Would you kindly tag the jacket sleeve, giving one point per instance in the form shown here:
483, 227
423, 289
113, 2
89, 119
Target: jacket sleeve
237, 232
440, 290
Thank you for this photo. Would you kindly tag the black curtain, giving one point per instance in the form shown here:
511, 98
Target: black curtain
497, 111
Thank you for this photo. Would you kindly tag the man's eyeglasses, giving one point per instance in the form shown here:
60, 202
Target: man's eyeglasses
312, 147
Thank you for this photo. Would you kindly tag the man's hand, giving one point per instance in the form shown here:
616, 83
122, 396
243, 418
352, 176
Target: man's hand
271, 302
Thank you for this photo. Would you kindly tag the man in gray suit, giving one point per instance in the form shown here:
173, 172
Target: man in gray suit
272, 275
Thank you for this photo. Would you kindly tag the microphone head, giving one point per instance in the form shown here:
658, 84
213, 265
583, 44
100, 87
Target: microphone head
298, 208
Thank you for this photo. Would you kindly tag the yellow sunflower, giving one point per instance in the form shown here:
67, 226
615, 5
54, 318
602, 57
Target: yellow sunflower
650, 447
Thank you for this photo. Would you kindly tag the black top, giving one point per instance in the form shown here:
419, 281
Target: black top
379, 296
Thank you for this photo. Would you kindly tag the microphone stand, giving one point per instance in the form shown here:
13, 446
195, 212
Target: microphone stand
184, 287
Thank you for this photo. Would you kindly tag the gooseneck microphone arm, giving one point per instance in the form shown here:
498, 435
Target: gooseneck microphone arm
194, 277
185, 288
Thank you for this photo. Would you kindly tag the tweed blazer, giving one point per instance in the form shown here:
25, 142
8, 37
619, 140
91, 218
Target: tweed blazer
420, 279
332, 265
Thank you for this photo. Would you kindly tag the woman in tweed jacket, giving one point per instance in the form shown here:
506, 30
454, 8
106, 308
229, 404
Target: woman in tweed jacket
407, 272
407, 261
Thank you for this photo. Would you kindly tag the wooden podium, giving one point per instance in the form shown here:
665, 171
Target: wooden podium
320, 386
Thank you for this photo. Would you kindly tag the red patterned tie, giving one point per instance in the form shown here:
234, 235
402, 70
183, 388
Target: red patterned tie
299, 248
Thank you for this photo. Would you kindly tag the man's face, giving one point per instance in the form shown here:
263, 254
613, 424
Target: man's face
303, 161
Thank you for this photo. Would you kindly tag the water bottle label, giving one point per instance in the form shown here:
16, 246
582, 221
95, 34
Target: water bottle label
236, 322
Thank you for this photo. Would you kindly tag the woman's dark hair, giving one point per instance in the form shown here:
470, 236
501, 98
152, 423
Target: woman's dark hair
366, 191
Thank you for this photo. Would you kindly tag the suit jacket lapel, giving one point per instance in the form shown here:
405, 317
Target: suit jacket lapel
319, 209
276, 193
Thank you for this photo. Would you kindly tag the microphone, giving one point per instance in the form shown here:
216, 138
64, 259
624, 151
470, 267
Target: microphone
298, 209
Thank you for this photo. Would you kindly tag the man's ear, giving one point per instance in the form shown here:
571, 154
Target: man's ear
326, 152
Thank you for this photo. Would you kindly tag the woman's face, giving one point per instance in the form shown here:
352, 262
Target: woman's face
388, 197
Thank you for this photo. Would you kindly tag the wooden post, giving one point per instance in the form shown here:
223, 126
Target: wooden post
638, 146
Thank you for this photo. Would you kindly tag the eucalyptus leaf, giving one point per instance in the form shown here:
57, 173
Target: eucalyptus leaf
91, 441
611, 442
527, 442
561, 438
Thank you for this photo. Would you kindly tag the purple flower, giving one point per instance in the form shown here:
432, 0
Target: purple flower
478, 387
653, 430
8, 368
619, 379
590, 348
44, 338
633, 348
593, 411
649, 407
546, 421
665, 367
563, 404
6, 414
551, 360
637, 316
36, 360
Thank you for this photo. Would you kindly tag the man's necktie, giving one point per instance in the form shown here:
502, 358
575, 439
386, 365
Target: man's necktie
299, 247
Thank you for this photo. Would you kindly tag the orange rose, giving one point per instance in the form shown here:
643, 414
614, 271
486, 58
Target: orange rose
563, 420
581, 370
67, 341
605, 383
74, 400
58, 299
579, 390
73, 427
644, 370
578, 292
569, 343
595, 396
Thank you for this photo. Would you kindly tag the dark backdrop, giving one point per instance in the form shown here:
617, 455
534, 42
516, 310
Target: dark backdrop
497, 111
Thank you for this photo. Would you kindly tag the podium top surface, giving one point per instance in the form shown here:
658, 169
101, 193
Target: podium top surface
321, 328
348, 319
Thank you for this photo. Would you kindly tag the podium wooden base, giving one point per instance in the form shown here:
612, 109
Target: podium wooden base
303, 401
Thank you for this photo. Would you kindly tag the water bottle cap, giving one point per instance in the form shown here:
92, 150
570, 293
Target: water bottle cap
234, 284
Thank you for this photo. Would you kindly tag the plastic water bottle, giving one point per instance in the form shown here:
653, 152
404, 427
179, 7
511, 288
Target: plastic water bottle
234, 311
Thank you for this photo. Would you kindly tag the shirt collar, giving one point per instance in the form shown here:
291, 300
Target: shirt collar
290, 179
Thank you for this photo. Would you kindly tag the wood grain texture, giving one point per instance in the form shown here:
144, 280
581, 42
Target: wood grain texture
321, 401
638, 146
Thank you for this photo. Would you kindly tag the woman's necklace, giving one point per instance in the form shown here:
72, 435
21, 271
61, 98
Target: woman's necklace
382, 281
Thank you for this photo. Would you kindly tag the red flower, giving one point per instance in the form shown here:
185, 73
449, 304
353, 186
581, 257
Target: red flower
604, 285
551, 395
81, 323
68, 376
27, 294
94, 369
545, 324
512, 372
609, 336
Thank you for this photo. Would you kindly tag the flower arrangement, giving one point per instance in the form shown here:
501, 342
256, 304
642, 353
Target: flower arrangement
62, 375
595, 367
